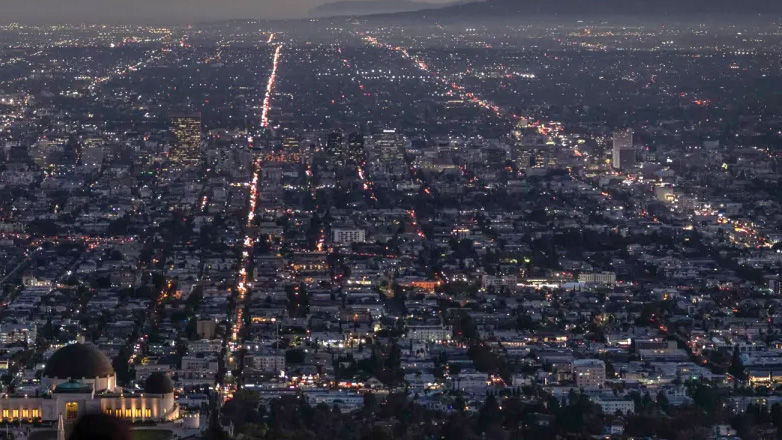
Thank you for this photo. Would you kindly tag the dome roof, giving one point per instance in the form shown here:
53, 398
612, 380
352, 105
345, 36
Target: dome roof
73, 386
78, 361
158, 383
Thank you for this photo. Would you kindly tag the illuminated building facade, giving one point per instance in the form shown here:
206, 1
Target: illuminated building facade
187, 148
623, 155
356, 147
333, 150
77, 380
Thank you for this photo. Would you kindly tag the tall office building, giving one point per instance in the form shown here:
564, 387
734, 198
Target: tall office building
356, 147
623, 156
530, 149
527, 157
187, 148
290, 144
334, 147
389, 146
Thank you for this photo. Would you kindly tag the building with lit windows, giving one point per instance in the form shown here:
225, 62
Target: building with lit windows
432, 333
348, 235
389, 146
334, 148
623, 154
78, 379
18, 333
589, 373
607, 278
187, 147
266, 360
356, 147
290, 144
613, 405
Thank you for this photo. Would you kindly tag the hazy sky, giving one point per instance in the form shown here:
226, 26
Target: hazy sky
157, 11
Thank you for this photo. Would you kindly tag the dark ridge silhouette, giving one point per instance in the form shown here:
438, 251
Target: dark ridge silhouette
509, 9
369, 7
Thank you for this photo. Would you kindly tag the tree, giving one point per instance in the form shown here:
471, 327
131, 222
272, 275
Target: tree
646, 402
489, 414
295, 356
43, 227
776, 417
705, 397
459, 404
662, 401
524, 322
370, 403
737, 365
378, 433
255, 430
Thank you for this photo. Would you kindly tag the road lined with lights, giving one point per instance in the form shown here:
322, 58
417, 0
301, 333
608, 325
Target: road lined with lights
454, 87
246, 260
744, 233
242, 285
119, 71
270, 87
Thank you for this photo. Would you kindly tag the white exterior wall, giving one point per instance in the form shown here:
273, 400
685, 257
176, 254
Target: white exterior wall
612, 406
589, 373
347, 236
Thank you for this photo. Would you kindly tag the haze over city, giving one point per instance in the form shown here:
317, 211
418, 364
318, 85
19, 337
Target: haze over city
157, 11
510, 219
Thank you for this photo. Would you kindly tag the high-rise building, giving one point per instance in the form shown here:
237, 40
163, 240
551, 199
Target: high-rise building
187, 147
494, 155
290, 144
526, 157
356, 147
334, 147
623, 156
388, 146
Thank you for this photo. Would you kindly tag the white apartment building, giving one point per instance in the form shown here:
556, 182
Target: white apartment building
432, 333
608, 278
272, 361
347, 236
612, 405
589, 373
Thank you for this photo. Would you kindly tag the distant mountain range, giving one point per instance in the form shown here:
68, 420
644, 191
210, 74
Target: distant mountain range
371, 7
596, 8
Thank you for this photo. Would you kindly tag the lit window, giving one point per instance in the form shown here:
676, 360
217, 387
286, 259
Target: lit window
15, 414
5, 413
25, 413
128, 413
71, 411
147, 413
36, 413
